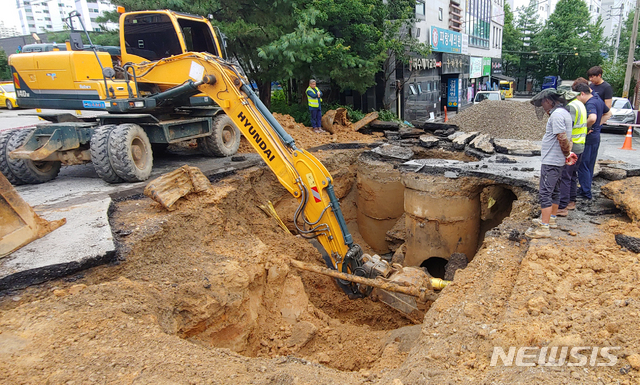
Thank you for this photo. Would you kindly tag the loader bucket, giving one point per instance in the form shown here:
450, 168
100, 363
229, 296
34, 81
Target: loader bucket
19, 224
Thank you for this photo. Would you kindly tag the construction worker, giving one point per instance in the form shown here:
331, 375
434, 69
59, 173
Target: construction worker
569, 179
555, 152
597, 114
314, 97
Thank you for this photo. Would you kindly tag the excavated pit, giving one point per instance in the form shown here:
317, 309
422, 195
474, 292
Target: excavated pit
220, 264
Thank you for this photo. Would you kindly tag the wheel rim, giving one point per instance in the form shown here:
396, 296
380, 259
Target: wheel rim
228, 136
139, 153
43, 167
9, 105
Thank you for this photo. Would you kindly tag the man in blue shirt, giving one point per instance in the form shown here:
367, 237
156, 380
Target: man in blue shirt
597, 114
314, 97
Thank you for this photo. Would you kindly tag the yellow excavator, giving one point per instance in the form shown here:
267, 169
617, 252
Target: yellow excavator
169, 59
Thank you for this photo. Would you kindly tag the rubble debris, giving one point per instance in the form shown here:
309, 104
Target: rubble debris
505, 159
382, 125
398, 233
455, 135
429, 141
395, 152
461, 141
456, 262
362, 123
517, 147
335, 117
628, 242
169, 187
410, 132
506, 119
483, 143
610, 173
626, 195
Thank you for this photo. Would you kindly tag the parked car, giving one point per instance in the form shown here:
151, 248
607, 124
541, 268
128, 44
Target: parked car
622, 114
487, 95
8, 96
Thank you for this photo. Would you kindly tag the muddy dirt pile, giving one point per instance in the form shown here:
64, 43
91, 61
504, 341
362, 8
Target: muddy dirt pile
305, 137
626, 195
507, 119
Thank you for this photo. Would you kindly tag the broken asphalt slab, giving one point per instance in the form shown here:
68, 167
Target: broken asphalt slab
523, 173
83, 199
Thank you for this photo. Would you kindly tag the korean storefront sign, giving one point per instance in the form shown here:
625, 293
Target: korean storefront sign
452, 93
454, 64
444, 40
475, 67
486, 66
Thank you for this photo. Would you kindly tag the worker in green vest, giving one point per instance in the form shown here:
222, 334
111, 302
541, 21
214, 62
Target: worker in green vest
569, 179
314, 97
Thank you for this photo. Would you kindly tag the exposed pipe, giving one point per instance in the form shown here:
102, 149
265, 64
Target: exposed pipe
422, 293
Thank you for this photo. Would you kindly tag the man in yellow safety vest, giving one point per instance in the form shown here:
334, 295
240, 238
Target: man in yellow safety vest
314, 97
569, 179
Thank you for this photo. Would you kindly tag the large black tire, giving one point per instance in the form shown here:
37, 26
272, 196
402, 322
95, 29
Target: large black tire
223, 141
27, 170
4, 155
100, 154
130, 153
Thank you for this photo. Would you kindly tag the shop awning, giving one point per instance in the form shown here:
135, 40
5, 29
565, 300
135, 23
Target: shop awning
503, 77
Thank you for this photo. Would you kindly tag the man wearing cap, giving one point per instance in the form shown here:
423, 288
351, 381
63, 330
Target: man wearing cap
555, 152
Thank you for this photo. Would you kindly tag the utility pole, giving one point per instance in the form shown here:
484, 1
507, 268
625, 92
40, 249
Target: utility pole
632, 51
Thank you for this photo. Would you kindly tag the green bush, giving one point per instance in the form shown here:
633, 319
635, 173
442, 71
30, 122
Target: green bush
387, 116
300, 113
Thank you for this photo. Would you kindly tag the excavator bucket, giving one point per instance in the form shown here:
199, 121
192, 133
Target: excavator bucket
19, 224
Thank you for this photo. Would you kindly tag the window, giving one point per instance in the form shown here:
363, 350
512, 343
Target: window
47, 18
32, 25
29, 17
440, 14
420, 8
478, 22
419, 88
46, 11
412, 90
49, 26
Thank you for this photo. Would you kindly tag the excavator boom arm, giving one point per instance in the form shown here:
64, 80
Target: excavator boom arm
296, 169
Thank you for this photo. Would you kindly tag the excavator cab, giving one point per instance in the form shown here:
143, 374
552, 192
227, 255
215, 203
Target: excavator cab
151, 36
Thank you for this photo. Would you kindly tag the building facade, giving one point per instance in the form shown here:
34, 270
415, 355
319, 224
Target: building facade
8, 31
42, 15
466, 40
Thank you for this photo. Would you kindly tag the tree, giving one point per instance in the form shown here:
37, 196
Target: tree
625, 39
528, 26
512, 43
5, 72
344, 40
569, 43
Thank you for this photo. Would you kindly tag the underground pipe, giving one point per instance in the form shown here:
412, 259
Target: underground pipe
422, 293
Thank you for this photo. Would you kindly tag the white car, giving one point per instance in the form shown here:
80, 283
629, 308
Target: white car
622, 114
487, 95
